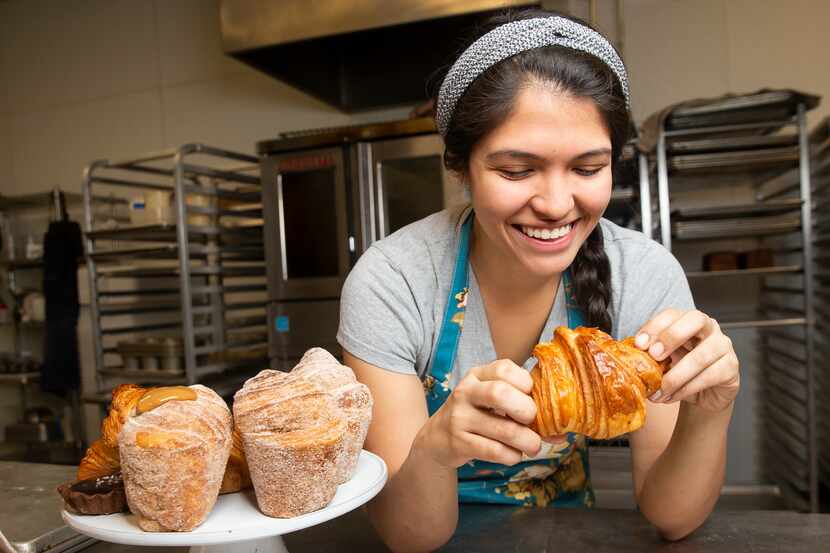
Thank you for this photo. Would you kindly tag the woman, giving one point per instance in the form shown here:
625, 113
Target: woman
533, 114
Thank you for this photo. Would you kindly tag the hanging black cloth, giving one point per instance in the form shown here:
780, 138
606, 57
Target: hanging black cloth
62, 247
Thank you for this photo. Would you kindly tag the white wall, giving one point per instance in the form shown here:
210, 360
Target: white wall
682, 49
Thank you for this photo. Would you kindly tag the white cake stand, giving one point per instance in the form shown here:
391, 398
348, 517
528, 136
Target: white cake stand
235, 524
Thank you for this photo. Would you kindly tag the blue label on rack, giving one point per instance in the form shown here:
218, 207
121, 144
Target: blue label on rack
281, 323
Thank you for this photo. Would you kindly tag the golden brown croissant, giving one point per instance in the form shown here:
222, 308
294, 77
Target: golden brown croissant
587, 382
102, 459
237, 475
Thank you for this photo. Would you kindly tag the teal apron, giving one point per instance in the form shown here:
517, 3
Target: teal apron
559, 476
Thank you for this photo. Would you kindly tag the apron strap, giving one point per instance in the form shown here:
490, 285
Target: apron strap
451, 330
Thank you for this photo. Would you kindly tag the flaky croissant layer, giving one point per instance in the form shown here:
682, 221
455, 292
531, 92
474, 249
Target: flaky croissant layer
586, 382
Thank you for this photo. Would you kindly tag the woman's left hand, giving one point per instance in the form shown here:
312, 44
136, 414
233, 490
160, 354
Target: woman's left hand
704, 367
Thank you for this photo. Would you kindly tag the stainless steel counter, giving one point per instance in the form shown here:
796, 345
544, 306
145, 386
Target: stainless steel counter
29, 509
487, 529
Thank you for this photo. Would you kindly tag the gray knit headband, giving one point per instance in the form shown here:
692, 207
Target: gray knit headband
510, 39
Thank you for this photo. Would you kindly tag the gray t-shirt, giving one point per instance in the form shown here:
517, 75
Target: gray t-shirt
392, 304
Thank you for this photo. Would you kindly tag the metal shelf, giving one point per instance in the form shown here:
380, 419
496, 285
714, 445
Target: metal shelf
721, 144
168, 233
221, 367
173, 272
792, 321
20, 378
142, 375
212, 246
622, 195
22, 264
734, 228
761, 271
743, 134
737, 210
137, 308
772, 159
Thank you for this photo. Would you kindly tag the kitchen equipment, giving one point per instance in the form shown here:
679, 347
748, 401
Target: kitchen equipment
769, 305
39, 424
352, 53
197, 277
328, 195
153, 354
34, 307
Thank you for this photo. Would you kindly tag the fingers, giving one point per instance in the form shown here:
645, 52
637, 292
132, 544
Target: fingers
516, 436
723, 374
492, 451
500, 387
498, 396
647, 335
507, 371
694, 362
483, 435
671, 329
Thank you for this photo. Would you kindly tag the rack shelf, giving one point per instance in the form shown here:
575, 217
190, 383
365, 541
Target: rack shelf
735, 227
761, 271
737, 210
769, 158
212, 248
764, 140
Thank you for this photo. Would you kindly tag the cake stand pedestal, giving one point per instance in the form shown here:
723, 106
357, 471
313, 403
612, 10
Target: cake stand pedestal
235, 525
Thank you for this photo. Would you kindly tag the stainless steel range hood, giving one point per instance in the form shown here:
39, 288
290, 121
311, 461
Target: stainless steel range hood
355, 54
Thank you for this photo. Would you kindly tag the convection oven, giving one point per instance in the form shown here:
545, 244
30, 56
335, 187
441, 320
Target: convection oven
328, 194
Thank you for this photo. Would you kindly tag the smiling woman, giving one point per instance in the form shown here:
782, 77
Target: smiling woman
440, 318
540, 204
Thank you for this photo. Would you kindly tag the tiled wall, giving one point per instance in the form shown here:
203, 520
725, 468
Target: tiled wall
83, 80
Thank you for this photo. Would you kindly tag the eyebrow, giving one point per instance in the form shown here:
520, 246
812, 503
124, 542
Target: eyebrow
518, 154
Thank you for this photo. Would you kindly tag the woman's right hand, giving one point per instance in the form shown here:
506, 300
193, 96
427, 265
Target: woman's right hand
485, 418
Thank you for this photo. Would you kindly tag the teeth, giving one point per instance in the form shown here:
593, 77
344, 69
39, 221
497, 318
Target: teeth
547, 234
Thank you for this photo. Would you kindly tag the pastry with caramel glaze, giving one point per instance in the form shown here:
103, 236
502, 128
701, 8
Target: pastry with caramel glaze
174, 447
102, 459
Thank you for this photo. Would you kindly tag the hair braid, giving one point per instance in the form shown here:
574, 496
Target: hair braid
591, 275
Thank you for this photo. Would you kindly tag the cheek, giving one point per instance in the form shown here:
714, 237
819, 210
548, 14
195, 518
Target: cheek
593, 199
495, 198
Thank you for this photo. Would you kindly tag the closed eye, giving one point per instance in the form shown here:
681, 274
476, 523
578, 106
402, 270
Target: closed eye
588, 172
515, 175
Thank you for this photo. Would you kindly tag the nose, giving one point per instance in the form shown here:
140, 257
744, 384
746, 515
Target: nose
554, 198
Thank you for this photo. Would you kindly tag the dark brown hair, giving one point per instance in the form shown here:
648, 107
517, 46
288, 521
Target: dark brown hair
488, 102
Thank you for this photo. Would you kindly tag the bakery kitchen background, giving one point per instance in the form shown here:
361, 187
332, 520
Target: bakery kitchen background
185, 186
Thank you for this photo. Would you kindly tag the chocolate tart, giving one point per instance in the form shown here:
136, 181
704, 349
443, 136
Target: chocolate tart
97, 496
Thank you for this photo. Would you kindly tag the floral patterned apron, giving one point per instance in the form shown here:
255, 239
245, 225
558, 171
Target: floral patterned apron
558, 476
